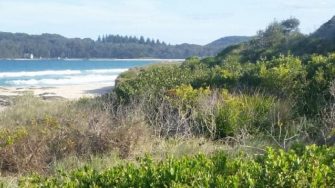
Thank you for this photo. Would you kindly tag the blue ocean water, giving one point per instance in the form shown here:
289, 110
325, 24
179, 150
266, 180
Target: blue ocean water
40, 73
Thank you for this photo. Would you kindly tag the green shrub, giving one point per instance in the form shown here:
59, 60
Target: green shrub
151, 79
283, 76
320, 75
9, 137
185, 96
313, 167
159, 78
243, 111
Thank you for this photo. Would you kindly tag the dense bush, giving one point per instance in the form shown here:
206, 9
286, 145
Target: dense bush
185, 96
305, 167
286, 78
35, 134
320, 75
32, 147
157, 78
283, 76
241, 111
305, 81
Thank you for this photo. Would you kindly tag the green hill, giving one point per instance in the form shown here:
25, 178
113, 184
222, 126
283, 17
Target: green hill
284, 38
20, 45
326, 31
322, 41
228, 41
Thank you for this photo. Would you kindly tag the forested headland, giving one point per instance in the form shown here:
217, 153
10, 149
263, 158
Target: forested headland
20, 45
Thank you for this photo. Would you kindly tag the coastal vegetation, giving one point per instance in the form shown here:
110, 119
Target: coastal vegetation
259, 114
311, 167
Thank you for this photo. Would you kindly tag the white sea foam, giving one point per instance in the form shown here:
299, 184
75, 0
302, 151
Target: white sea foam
66, 80
104, 71
59, 73
38, 73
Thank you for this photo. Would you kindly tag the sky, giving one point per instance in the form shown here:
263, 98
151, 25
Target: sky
172, 21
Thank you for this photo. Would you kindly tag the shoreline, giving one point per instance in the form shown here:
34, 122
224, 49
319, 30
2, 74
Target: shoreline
64, 92
69, 92
91, 59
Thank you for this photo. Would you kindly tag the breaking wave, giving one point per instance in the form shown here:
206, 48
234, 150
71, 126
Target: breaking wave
92, 78
38, 73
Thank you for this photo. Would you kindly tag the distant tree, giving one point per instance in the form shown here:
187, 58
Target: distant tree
290, 25
126, 39
104, 38
142, 40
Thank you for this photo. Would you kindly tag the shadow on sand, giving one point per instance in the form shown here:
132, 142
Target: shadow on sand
100, 91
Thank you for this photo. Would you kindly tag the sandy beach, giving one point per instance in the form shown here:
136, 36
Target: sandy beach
66, 92
70, 92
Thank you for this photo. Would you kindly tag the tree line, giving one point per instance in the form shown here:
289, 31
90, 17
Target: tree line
20, 45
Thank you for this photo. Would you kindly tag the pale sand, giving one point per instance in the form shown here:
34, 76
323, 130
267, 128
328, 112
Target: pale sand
71, 92
2, 108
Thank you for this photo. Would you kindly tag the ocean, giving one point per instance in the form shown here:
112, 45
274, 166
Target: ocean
49, 73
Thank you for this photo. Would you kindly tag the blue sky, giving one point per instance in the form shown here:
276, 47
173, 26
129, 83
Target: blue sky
173, 21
